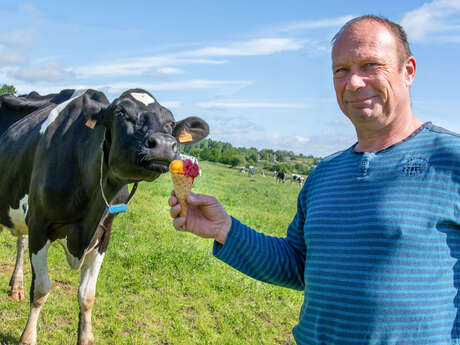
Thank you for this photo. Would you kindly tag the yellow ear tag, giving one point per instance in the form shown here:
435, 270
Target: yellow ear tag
185, 137
90, 124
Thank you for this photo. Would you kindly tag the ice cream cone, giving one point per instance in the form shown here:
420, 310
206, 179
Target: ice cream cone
182, 188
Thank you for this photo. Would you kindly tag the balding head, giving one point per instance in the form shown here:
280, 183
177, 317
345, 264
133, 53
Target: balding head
395, 30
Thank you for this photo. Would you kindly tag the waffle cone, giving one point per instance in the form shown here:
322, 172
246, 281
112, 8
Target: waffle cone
182, 188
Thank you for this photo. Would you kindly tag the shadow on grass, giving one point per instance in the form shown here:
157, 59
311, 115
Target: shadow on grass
6, 339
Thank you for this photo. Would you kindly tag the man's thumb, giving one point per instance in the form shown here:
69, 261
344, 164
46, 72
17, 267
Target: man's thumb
200, 199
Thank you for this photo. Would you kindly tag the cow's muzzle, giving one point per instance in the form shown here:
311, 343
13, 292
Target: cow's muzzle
158, 151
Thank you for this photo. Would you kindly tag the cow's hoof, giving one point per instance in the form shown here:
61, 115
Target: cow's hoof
27, 343
89, 341
17, 295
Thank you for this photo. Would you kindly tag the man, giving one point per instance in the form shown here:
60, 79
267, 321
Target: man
375, 242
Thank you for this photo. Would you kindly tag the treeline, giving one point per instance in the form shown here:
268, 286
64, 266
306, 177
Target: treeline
7, 89
267, 159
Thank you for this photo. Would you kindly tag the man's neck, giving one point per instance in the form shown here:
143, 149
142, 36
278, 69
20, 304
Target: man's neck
382, 138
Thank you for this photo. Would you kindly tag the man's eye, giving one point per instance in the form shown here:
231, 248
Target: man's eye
371, 65
339, 72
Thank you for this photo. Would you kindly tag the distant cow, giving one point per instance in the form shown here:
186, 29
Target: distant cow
280, 177
63, 167
251, 170
298, 179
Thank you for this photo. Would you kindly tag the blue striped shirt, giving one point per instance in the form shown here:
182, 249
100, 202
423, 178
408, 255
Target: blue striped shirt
375, 245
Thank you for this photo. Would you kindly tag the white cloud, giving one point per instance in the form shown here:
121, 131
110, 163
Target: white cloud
183, 84
314, 24
116, 88
50, 72
302, 139
139, 66
167, 63
170, 70
11, 58
434, 18
262, 46
172, 104
209, 105
19, 38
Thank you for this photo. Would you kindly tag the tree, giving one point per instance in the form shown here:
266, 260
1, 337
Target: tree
7, 89
252, 155
266, 154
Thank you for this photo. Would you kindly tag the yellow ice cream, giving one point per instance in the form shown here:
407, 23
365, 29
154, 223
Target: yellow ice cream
176, 167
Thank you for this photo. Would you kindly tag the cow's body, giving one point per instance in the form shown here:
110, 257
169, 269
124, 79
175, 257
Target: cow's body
280, 176
66, 169
298, 179
14, 198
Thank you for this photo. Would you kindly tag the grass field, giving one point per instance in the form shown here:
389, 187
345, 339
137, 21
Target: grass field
163, 287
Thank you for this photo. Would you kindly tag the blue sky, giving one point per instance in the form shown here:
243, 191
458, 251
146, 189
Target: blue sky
258, 72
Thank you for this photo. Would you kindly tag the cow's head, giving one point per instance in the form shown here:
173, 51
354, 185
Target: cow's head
142, 136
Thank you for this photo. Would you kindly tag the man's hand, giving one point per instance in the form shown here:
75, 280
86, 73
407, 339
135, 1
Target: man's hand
205, 217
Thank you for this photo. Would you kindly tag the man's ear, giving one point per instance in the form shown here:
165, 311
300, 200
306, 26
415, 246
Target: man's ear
410, 67
190, 130
94, 105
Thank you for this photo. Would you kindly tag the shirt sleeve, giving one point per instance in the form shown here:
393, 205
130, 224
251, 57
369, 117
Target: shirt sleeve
275, 260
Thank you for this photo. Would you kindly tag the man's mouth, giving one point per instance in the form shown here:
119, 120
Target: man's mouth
360, 100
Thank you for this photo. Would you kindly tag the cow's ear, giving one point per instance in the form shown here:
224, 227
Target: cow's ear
94, 105
190, 130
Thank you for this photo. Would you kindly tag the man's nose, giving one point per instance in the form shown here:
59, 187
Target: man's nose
355, 82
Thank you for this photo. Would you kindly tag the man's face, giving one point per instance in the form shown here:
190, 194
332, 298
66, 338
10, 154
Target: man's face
370, 84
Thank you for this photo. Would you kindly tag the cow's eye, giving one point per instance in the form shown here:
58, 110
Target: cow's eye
125, 115
169, 127
131, 118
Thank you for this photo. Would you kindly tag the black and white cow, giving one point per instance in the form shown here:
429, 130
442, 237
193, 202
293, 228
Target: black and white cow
65, 163
12, 109
298, 179
280, 177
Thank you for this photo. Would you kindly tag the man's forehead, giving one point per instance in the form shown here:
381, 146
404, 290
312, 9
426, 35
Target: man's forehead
363, 40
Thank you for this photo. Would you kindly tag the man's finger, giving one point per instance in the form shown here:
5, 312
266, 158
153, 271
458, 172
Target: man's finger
172, 201
175, 210
179, 223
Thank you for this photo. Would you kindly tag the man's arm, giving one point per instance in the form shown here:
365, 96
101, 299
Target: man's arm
270, 259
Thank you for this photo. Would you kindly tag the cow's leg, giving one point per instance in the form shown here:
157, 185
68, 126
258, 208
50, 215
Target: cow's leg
17, 281
39, 291
86, 295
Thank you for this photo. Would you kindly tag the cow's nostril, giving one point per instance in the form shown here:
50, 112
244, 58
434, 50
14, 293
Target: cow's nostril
174, 147
152, 143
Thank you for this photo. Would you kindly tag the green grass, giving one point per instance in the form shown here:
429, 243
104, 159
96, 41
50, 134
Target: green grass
163, 287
